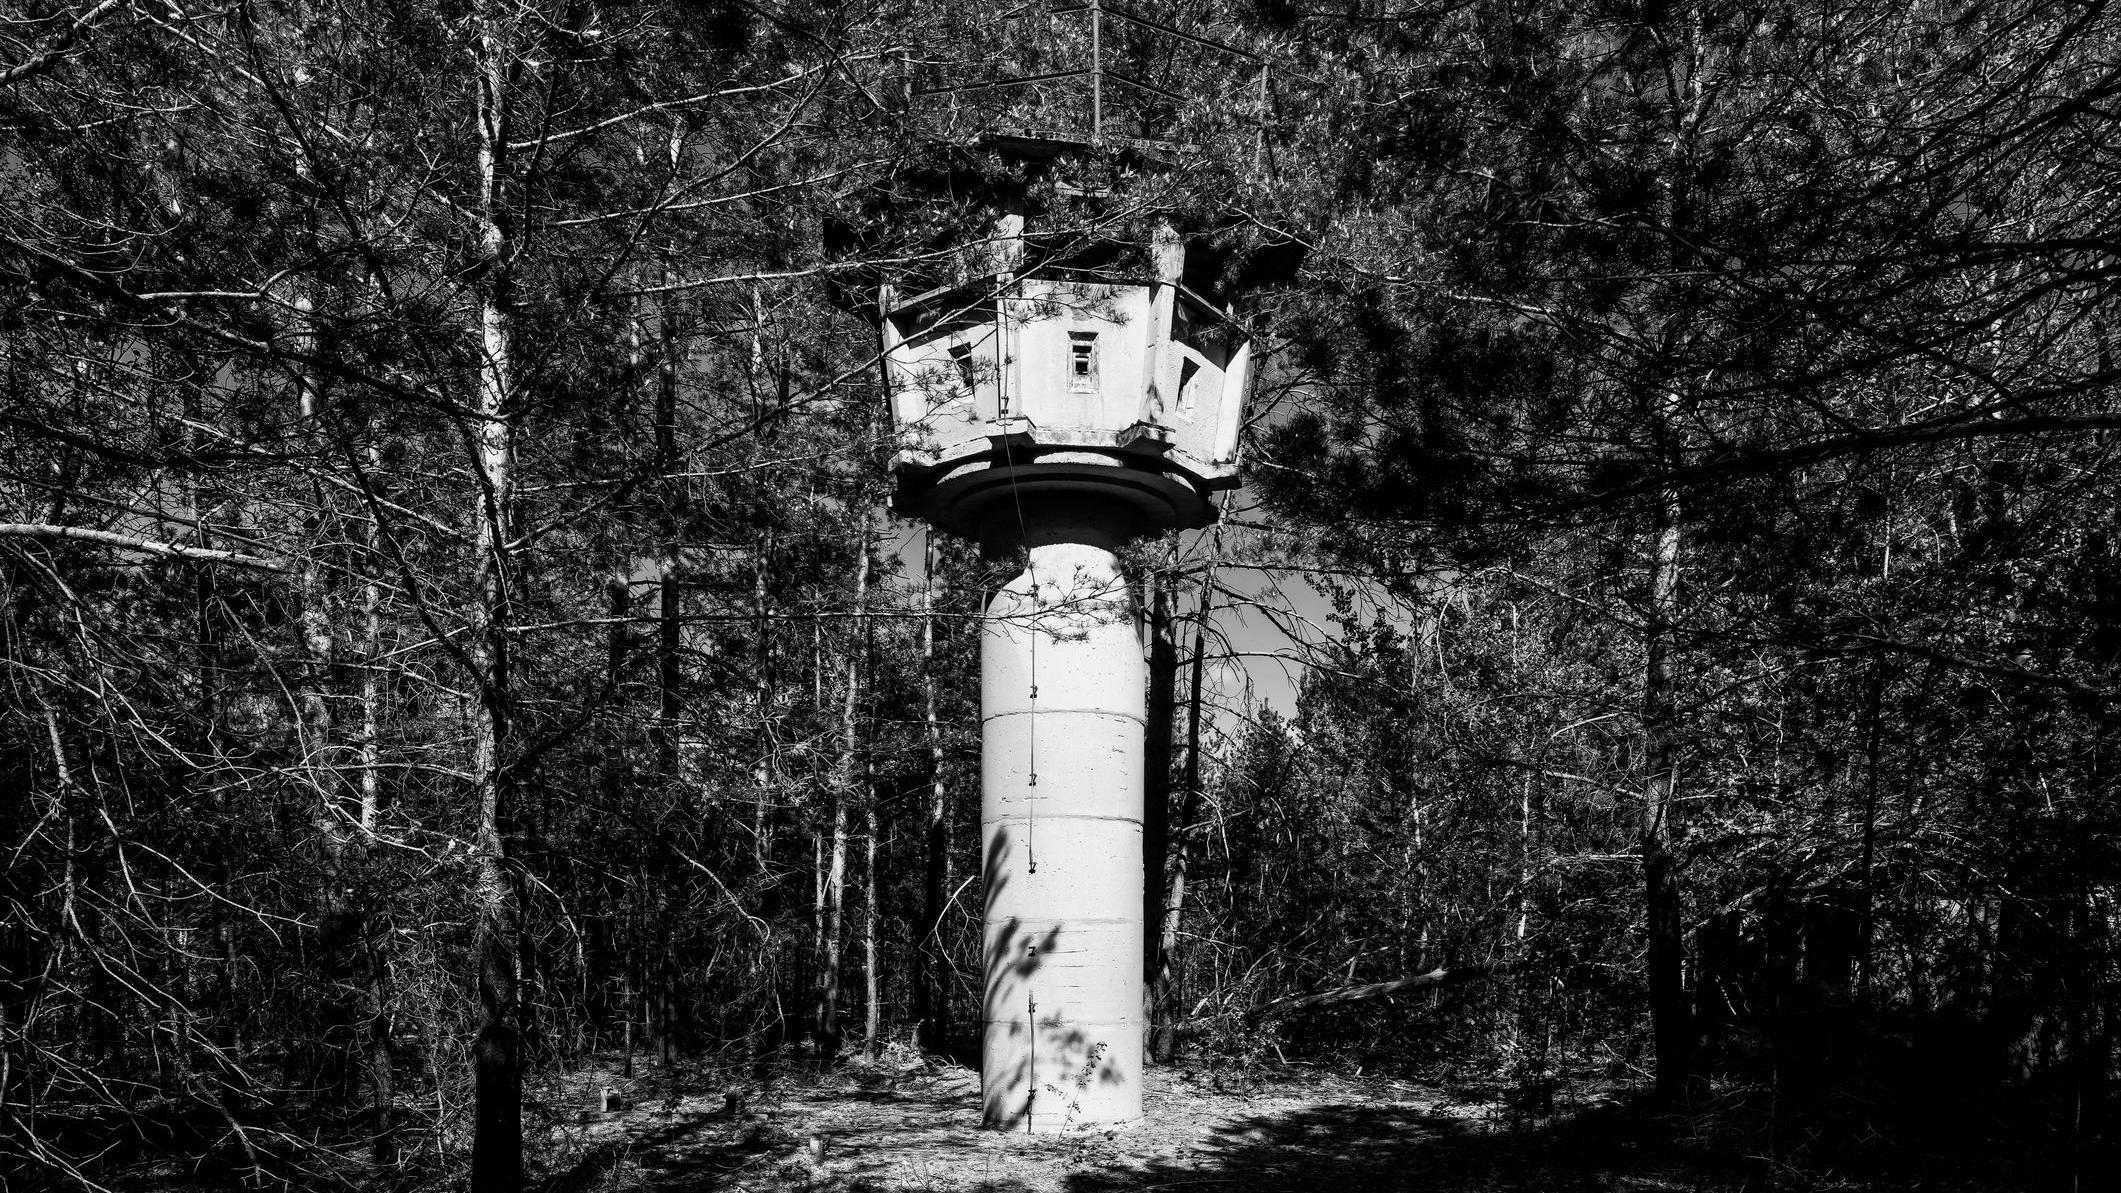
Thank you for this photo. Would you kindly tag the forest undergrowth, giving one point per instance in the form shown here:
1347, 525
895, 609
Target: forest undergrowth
908, 1122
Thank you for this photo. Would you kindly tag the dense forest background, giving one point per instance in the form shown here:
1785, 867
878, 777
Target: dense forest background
453, 633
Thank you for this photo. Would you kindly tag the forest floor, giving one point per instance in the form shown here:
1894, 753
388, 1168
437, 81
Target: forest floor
915, 1127
910, 1124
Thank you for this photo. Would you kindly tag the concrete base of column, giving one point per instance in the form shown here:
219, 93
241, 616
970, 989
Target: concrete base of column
1061, 695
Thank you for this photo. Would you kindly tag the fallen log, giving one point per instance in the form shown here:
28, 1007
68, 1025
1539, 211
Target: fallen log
1440, 976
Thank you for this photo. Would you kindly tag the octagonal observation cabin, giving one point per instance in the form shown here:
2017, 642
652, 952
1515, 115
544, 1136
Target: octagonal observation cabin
1080, 362
1120, 381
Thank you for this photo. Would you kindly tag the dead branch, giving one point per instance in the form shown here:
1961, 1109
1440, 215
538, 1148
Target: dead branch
39, 530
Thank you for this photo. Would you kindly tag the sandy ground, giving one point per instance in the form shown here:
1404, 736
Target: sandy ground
916, 1127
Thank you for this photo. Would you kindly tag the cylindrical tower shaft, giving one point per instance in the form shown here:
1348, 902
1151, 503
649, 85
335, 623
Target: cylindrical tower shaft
1061, 696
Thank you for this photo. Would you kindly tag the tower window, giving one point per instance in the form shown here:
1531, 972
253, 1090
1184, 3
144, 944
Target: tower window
1188, 371
961, 356
1082, 360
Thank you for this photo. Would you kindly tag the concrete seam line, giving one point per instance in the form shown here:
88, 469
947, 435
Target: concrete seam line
1073, 921
1119, 1023
1063, 712
1134, 820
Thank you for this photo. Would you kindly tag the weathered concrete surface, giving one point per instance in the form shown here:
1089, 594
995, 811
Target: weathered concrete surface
1061, 697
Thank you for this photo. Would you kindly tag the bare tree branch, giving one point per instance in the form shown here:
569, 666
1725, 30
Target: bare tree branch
56, 50
126, 542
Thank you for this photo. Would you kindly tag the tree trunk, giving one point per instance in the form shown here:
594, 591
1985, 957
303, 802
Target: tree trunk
342, 922
871, 989
665, 1008
382, 1073
931, 990
1669, 1018
765, 773
1162, 710
666, 383
872, 985
827, 1027
371, 686
382, 1083
835, 878
628, 1016
1866, 895
668, 673
1164, 1044
497, 1131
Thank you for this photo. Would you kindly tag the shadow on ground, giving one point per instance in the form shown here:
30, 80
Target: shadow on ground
1358, 1147
922, 1134
919, 1132
1344, 1148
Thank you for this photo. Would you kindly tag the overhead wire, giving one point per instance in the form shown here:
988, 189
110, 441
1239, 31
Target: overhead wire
1001, 396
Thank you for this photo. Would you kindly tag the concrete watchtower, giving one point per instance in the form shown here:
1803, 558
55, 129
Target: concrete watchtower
1051, 412
1061, 417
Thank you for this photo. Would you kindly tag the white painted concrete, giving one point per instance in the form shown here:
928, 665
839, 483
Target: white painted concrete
1061, 697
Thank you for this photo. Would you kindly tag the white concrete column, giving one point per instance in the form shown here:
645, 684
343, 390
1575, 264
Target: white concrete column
1061, 707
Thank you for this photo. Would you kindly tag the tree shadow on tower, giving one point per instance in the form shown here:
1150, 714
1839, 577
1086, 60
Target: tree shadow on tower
1023, 1041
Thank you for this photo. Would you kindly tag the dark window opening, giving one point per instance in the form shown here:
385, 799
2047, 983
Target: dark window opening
1187, 370
1082, 359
